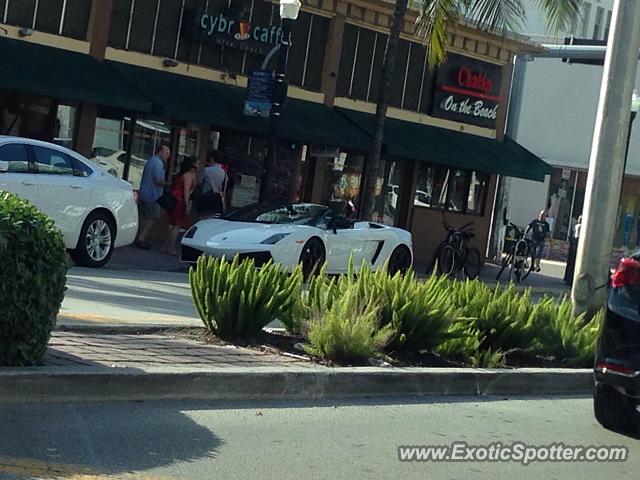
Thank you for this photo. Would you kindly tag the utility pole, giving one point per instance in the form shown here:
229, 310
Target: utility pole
606, 165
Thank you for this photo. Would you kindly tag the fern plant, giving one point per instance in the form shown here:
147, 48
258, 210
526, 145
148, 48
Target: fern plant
419, 312
234, 299
566, 337
348, 329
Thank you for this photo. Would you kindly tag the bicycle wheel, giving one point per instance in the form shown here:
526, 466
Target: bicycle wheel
447, 260
528, 265
473, 263
519, 259
506, 260
515, 272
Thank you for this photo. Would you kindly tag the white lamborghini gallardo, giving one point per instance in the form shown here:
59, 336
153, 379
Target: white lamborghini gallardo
303, 233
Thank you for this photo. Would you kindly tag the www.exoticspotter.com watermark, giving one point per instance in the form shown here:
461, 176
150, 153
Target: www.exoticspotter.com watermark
514, 452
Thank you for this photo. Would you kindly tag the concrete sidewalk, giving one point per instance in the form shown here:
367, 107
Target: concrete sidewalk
85, 366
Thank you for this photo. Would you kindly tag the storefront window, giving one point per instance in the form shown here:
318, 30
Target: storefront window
111, 140
477, 193
440, 187
424, 190
65, 126
388, 190
187, 147
342, 178
454, 190
458, 195
564, 204
244, 157
109, 145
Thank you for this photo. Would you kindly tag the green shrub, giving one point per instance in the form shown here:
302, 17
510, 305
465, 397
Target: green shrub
487, 359
418, 312
235, 299
501, 319
348, 330
564, 336
317, 297
33, 267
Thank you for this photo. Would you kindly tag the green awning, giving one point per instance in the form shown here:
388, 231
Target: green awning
202, 101
431, 144
66, 75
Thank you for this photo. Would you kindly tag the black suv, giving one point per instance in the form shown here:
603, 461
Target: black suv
617, 366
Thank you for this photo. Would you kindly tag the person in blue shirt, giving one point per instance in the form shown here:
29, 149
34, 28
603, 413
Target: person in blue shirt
151, 189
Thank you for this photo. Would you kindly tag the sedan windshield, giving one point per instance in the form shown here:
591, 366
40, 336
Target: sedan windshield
297, 213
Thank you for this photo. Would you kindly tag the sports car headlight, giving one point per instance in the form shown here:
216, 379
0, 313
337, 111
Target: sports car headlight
273, 239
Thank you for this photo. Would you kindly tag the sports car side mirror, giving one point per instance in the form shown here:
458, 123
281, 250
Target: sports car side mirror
331, 225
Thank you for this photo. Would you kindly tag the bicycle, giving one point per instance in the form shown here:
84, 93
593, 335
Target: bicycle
517, 255
454, 255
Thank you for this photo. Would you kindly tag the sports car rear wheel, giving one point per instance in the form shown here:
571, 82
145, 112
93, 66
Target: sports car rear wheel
400, 260
312, 257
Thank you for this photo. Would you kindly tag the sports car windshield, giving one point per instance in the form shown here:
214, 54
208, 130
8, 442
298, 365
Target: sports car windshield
297, 213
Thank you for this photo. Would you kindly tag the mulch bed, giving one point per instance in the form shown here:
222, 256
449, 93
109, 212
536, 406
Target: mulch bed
283, 343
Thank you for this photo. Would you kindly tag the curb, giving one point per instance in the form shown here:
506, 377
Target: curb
116, 329
56, 384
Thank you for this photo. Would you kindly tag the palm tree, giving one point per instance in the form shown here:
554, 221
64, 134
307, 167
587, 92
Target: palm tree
494, 16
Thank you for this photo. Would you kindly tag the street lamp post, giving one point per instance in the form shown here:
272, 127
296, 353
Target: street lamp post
289, 10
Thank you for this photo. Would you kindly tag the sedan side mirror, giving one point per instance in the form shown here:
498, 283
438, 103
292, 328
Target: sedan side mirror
4, 166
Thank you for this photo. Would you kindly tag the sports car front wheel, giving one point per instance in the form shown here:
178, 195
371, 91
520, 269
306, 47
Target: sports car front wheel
312, 257
400, 260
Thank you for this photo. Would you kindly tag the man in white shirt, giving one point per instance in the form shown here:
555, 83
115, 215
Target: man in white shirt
214, 186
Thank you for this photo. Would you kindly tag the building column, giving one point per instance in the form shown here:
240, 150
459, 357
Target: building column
99, 28
98, 38
332, 55
85, 133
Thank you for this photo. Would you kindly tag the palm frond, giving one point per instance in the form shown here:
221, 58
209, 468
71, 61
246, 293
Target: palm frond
431, 25
494, 15
561, 15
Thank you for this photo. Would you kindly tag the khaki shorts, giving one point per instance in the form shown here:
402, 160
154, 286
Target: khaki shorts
149, 211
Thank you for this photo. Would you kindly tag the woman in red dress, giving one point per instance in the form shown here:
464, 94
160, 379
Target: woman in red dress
179, 218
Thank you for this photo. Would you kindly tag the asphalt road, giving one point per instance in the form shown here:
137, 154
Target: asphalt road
293, 441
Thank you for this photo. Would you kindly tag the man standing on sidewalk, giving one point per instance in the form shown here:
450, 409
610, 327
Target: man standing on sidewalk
151, 189
215, 180
539, 232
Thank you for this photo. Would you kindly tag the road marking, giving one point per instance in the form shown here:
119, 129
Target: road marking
38, 469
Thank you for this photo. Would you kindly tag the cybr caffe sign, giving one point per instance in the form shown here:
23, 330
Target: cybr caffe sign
468, 91
232, 30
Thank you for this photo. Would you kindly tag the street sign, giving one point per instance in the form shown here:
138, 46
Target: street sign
260, 93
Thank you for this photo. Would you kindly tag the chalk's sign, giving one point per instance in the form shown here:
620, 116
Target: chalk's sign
468, 91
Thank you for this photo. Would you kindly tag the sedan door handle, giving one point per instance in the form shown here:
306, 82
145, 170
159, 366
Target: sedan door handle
28, 183
77, 187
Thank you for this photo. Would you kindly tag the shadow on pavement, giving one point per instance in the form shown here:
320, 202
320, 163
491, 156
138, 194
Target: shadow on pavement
141, 299
104, 439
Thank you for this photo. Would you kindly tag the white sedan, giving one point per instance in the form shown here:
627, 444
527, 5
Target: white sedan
303, 233
94, 211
